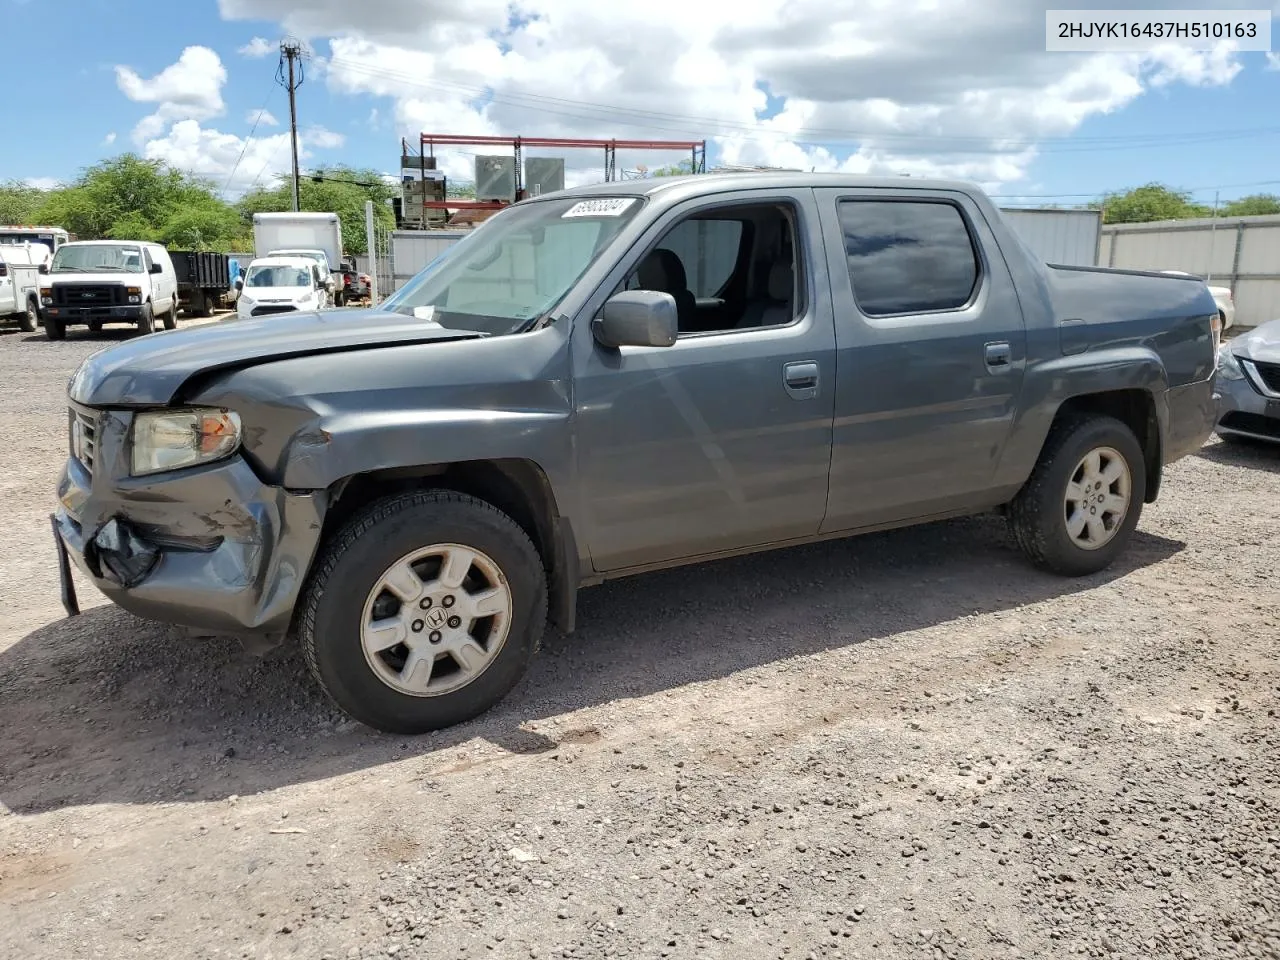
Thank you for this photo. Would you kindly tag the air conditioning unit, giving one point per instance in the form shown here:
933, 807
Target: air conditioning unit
543, 175
496, 178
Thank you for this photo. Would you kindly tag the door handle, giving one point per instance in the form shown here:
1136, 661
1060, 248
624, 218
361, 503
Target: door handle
801, 379
998, 354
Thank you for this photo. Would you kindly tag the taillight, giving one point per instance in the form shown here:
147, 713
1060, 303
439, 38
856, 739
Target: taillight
4, 269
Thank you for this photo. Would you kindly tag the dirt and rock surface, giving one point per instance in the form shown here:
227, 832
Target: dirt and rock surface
904, 745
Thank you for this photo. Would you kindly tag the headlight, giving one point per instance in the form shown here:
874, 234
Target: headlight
1228, 365
171, 439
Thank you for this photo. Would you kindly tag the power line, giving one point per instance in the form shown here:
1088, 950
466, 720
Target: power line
1094, 196
258, 119
671, 122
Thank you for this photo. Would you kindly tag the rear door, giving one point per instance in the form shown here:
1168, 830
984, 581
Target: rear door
930, 355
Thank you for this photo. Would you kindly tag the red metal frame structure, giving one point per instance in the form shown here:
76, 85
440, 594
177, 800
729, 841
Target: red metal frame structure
429, 141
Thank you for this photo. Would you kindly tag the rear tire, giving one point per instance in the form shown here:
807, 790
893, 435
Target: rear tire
171, 318
31, 319
54, 328
1078, 510
401, 674
146, 320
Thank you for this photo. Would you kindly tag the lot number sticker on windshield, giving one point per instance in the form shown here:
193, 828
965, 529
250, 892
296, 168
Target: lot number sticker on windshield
612, 207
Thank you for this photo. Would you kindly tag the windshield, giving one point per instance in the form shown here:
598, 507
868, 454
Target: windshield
48, 239
516, 267
97, 258
315, 255
277, 277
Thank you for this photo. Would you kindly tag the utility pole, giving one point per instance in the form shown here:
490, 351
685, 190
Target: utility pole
291, 52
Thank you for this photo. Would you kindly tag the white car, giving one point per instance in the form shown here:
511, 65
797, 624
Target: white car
279, 285
328, 281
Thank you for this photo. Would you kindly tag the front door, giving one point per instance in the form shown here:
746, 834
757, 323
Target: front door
930, 354
723, 440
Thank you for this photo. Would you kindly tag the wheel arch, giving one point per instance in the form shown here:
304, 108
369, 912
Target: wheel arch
519, 488
1135, 407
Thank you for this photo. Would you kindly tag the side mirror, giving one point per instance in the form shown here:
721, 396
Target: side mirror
239, 283
637, 318
43, 268
156, 268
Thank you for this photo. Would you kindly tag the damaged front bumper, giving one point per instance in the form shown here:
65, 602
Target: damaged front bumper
211, 547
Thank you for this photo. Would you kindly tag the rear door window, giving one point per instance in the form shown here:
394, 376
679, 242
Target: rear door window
908, 257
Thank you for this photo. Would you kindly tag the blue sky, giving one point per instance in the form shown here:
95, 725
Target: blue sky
1188, 134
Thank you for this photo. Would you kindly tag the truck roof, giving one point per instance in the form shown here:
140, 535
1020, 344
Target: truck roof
300, 215
707, 183
111, 243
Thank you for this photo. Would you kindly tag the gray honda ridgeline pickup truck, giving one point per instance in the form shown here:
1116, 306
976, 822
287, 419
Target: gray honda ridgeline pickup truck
615, 379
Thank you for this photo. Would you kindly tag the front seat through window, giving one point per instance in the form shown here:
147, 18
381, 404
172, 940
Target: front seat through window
662, 270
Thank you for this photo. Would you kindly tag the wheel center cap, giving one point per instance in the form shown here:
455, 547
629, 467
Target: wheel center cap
436, 618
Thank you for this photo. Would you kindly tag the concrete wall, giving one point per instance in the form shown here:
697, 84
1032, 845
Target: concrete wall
1242, 253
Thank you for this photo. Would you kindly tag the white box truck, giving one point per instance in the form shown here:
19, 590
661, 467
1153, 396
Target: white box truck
317, 236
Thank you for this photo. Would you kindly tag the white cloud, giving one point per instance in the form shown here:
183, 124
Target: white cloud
258, 47
263, 118
43, 183
109, 139
190, 89
218, 156
921, 86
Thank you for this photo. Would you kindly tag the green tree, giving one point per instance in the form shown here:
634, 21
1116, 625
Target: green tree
682, 169
340, 190
1252, 206
19, 202
1153, 201
129, 198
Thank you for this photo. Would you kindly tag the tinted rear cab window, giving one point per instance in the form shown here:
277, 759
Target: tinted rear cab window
908, 256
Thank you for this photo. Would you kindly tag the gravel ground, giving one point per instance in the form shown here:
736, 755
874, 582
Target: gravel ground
903, 745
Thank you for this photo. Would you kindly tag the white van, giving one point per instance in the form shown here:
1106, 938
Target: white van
280, 285
328, 280
95, 282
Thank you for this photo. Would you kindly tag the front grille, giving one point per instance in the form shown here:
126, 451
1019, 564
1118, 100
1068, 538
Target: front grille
265, 310
83, 428
1252, 423
88, 295
1270, 374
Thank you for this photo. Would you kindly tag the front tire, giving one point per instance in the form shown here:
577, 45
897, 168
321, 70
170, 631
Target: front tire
30, 320
146, 320
171, 318
55, 328
1078, 510
423, 611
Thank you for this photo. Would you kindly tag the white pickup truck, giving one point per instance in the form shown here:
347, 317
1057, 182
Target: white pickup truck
20, 283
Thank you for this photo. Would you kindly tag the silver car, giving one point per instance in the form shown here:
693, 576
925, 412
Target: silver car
1247, 386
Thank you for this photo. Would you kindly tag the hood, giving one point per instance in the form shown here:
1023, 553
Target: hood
150, 370
1260, 343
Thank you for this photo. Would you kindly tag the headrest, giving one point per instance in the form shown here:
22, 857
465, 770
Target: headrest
781, 281
662, 270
